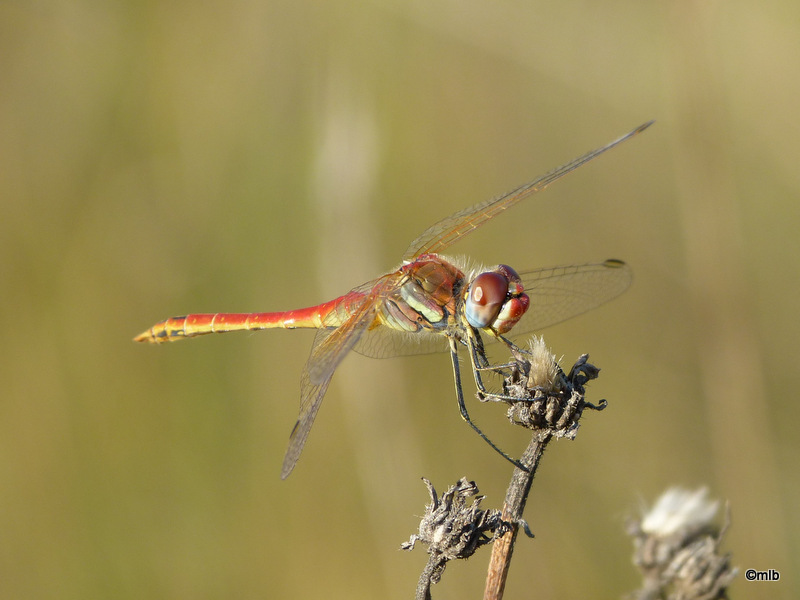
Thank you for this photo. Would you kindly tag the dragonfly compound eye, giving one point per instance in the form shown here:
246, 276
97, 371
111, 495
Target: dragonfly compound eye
487, 293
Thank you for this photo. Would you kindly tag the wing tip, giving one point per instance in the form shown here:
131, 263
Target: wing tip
615, 263
626, 273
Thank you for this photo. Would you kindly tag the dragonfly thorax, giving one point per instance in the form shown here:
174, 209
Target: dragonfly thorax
426, 298
496, 299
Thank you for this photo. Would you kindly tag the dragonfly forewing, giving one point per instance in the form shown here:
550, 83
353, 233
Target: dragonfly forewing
560, 293
451, 229
556, 294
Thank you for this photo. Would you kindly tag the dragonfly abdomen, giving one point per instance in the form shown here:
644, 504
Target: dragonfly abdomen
187, 326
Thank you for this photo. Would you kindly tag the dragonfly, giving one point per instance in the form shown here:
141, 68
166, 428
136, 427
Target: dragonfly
429, 303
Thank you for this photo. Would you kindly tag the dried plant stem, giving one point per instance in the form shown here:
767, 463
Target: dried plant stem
513, 507
434, 565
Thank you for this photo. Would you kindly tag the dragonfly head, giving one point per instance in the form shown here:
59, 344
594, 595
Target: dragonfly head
496, 299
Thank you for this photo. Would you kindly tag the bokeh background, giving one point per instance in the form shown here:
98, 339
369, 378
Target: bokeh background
164, 158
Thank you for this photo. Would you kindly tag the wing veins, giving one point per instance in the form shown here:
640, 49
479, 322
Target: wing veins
449, 230
329, 349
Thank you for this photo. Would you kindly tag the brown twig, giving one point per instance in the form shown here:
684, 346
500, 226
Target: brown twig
513, 507
550, 403
429, 576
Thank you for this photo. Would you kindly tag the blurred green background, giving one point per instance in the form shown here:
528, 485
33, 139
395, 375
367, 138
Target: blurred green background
162, 158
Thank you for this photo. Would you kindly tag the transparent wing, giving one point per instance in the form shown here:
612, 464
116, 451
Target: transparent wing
311, 395
448, 231
560, 293
556, 293
329, 349
384, 342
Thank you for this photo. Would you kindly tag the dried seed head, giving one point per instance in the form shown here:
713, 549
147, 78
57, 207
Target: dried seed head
680, 510
453, 529
541, 397
677, 547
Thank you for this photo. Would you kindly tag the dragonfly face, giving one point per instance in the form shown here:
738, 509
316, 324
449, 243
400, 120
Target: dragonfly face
496, 299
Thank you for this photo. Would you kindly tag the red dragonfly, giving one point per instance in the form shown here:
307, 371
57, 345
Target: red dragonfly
427, 304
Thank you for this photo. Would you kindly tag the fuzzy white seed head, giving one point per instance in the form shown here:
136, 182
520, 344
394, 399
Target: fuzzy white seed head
678, 509
544, 368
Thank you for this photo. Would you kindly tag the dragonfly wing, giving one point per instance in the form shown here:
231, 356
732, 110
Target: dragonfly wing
311, 395
560, 293
329, 349
384, 342
448, 231
556, 294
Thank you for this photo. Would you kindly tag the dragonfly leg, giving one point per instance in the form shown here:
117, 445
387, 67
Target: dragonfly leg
479, 360
480, 363
462, 407
512, 346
